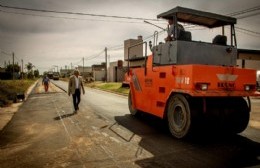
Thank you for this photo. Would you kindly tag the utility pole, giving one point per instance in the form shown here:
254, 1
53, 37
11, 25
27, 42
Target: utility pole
22, 68
106, 64
83, 66
13, 65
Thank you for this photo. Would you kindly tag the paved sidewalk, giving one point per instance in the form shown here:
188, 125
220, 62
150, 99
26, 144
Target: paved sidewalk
6, 113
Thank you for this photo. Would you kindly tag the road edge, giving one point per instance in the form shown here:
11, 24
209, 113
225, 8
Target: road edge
11, 110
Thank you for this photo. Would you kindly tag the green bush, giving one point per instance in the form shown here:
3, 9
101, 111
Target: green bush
10, 88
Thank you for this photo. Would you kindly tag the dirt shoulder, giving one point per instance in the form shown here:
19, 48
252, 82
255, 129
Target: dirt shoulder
7, 113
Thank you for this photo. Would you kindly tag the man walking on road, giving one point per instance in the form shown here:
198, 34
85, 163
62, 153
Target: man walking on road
75, 86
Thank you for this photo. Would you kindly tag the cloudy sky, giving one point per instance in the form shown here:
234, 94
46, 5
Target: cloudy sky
49, 39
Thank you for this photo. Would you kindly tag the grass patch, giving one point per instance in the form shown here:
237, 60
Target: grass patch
9, 89
111, 86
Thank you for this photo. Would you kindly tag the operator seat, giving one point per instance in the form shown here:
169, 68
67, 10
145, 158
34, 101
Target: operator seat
184, 35
220, 40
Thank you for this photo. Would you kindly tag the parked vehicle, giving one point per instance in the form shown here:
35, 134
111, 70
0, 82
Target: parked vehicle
56, 76
50, 75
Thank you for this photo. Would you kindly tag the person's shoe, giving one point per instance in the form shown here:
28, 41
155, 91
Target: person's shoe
78, 108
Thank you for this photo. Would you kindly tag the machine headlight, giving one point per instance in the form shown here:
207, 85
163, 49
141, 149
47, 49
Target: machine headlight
249, 87
202, 86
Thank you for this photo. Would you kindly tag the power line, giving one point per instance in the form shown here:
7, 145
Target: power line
245, 11
248, 12
111, 16
121, 46
4, 52
75, 13
249, 15
250, 31
256, 8
94, 56
76, 63
247, 33
17, 59
10, 54
70, 18
115, 46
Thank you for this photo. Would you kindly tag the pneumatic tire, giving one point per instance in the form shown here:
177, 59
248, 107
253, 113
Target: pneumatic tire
240, 118
179, 116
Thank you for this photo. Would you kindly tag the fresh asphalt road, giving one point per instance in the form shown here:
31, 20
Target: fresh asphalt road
105, 104
45, 133
115, 108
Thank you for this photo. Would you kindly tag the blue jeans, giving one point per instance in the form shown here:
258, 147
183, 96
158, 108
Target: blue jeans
76, 99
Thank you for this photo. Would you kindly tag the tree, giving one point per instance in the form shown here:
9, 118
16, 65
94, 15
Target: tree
29, 67
9, 68
36, 73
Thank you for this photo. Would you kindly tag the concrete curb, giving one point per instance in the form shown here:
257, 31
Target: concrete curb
30, 89
122, 94
59, 87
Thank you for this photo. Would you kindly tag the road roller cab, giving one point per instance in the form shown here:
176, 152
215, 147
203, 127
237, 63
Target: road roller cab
187, 82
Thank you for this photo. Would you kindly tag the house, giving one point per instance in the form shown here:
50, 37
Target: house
99, 72
133, 56
250, 59
66, 72
116, 71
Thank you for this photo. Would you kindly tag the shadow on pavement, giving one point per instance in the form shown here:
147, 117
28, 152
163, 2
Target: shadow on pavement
64, 116
200, 150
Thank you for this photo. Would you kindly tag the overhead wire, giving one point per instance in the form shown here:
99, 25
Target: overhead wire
94, 56
75, 13
70, 18
10, 54
5, 56
253, 9
248, 15
4, 52
240, 30
250, 31
121, 46
76, 63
